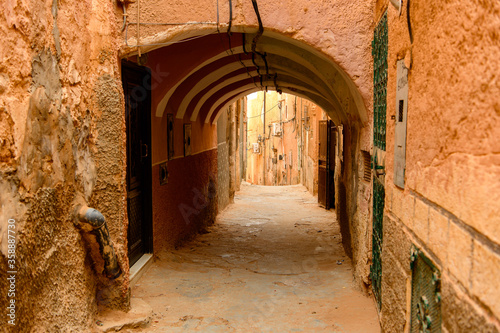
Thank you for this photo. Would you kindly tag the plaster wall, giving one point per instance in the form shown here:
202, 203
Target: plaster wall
450, 205
60, 94
188, 202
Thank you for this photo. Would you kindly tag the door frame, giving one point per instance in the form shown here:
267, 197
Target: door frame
141, 76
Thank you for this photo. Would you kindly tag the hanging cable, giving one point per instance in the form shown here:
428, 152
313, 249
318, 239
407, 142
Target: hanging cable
243, 38
256, 39
261, 27
255, 64
138, 25
230, 19
163, 44
260, 115
276, 84
124, 16
265, 62
408, 21
218, 16
229, 34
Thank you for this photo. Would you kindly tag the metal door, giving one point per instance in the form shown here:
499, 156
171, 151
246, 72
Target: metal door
379, 52
138, 111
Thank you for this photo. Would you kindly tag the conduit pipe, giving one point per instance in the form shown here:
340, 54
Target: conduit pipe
92, 221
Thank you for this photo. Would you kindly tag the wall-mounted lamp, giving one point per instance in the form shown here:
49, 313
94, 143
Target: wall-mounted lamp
398, 4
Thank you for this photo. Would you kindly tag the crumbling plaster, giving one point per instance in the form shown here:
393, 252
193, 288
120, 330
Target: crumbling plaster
53, 56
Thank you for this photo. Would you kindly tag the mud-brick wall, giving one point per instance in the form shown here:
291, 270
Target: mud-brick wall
59, 97
450, 205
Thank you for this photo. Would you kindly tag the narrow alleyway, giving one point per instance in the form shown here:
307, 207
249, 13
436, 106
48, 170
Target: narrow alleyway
273, 262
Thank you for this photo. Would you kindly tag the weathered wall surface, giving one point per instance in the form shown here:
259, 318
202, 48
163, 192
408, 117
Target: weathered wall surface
188, 203
59, 94
450, 206
222, 163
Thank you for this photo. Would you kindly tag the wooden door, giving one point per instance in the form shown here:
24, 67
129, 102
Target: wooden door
323, 157
326, 163
138, 115
332, 146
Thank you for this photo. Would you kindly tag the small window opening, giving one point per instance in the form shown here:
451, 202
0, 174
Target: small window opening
401, 109
367, 176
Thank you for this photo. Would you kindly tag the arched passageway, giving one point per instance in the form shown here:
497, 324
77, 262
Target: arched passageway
198, 74
196, 77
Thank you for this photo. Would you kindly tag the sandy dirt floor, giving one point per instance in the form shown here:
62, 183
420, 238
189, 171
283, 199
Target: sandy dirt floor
273, 262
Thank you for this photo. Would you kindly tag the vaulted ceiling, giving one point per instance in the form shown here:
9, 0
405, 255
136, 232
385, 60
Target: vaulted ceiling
208, 72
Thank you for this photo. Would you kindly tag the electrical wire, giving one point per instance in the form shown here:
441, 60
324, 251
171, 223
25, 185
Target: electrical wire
229, 40
260, 115
408, 21
261, 27
217, 15
166, 43
256, 39
124, 16
138, 26
230, 20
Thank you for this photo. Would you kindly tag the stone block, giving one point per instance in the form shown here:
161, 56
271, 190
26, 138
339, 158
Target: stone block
397, 243
485, 276
459, 254
397, 202
388, 197
438, 234
460, 314
408, 210
421, 220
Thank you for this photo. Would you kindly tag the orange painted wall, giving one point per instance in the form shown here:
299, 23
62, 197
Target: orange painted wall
183, 206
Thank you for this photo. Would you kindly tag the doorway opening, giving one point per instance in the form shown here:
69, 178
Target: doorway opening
138, 119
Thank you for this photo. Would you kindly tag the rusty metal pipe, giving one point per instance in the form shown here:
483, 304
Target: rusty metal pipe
95, 223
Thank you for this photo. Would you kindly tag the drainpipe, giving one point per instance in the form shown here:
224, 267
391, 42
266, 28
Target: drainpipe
92, 221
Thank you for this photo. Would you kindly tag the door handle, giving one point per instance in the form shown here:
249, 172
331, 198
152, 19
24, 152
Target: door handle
144, 148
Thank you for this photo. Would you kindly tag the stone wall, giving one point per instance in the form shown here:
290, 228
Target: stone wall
222, 163
450, 205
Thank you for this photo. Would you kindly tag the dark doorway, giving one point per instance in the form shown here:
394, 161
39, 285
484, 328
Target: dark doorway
326, 163
136, 81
